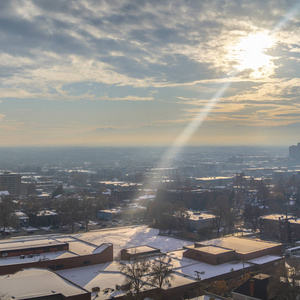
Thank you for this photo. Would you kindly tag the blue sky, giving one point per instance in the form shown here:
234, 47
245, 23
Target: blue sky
121, 73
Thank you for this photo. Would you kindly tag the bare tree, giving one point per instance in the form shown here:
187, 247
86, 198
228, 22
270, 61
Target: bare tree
220, 208
284, 283
87, 209
252, 215
135, 269
7, 216
70, 211
161, 273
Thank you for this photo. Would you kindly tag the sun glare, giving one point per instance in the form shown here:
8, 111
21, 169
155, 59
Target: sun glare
249, 54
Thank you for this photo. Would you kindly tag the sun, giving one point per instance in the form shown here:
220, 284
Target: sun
250, 54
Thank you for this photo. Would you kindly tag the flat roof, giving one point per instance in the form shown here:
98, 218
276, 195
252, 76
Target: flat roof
199, 216
32, 243
76, 247
15, 260
105, 276
240, 244
141, 249
275, 217
33, 283
207, 271
213, 249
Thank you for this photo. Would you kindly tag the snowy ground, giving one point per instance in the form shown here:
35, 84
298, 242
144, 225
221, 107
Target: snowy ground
131, 236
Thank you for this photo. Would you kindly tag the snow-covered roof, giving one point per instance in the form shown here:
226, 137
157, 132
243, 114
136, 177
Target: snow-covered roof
196, 216
264, 259
241, 245
46, 213
208, 271
76, 247
104, 276
4, 193
28, 243
33, 283
20, 215
141, 249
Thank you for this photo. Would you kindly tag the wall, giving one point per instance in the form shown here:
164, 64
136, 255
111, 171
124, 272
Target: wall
213, 259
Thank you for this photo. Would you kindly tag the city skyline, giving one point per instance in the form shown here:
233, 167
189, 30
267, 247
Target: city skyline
127, 73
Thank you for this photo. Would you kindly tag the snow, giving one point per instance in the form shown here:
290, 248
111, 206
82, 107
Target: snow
264, 259
100, 248
36, 283
36, 257
5, 193
132, 236
208, 271
105, 276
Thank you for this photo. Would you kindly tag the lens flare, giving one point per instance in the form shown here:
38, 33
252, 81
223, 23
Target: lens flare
250, 54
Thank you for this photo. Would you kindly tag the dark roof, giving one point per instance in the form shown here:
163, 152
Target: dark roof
260, 287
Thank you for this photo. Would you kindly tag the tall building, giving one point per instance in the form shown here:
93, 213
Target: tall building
294, 152
10, 182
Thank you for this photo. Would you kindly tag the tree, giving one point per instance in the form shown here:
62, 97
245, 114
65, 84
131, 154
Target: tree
221, 209
161, 273
135, 269
218, 288
32, 207
263, 192
284, 284
252, 215
58, 191
70, 211
7, 216
87, 209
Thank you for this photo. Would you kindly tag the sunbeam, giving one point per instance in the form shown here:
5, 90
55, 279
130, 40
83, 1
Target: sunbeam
247, 60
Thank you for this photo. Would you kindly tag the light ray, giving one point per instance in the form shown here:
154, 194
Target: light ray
188, 132
198, 120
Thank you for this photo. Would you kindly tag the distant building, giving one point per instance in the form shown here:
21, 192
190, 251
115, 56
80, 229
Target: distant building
294, 152
280, 227
108, 214
10, 182
198, 220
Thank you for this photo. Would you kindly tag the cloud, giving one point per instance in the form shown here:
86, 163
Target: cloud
117, 52
127, 43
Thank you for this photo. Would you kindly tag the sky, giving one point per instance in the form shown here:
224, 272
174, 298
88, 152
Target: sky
139, 73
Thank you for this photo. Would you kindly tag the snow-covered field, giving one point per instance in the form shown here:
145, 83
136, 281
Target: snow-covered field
131, 236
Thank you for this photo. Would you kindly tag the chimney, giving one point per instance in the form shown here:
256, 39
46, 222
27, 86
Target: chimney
251, 282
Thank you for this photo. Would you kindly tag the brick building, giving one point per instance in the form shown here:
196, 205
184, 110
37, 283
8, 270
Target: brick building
139, 251
280, 227
52, 253
230, 249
